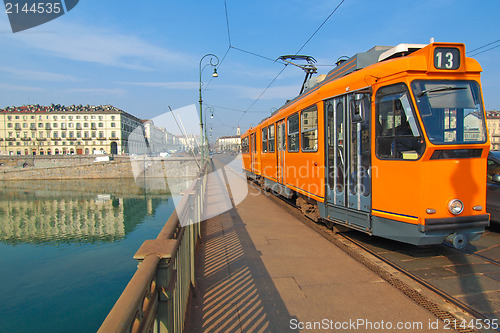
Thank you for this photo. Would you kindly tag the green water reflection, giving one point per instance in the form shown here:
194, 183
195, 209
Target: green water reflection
66, 249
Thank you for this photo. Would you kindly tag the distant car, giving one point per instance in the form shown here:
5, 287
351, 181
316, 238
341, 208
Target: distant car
493, 187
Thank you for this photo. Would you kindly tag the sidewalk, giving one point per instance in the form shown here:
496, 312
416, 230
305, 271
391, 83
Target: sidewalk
262, 270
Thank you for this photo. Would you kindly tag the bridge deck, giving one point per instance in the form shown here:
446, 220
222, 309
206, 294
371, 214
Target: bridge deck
262, 270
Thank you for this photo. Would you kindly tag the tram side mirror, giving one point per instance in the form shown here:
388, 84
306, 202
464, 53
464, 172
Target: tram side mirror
357, 108
496, 179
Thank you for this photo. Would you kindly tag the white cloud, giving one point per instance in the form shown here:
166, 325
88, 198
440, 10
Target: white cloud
98, 91
182, 85
5, 86
282, 92
37, 75
88, 44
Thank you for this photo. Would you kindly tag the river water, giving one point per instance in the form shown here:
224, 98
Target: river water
66, 249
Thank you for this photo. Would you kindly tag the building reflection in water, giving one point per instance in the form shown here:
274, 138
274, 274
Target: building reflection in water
40, 212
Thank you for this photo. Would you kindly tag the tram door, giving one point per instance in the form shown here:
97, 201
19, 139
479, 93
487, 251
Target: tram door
253, 151
348, 157
281, 143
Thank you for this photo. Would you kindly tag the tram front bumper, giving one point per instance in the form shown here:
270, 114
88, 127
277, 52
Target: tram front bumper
453, 224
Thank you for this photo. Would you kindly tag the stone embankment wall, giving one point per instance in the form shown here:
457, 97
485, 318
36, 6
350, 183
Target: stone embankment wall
85, 167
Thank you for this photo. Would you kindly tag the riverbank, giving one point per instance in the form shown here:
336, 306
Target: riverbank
86, 167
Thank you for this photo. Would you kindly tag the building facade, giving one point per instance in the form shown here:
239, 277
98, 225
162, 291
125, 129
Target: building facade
493, 122
155, 136
57, 130
228, 143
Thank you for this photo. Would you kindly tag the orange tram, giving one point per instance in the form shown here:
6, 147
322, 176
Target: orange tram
392, 142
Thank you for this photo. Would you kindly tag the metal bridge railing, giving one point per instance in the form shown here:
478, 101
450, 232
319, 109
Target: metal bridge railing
156, 298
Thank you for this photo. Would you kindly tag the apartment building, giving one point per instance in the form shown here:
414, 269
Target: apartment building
57, 130
493, 123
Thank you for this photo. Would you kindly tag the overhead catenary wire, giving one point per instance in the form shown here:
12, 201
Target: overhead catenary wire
481, 47
276, 77
230, 46
491, 48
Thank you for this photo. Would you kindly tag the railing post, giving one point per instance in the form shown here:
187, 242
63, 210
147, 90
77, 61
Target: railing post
193, 210
166, 282
166, 278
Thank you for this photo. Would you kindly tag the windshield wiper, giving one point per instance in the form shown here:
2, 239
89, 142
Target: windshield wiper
439, 89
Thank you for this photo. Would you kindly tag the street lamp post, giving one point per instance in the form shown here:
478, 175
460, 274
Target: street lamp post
207, 110
213, 64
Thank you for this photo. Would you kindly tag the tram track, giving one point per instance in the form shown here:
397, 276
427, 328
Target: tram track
415, 285
442, 304
492, 261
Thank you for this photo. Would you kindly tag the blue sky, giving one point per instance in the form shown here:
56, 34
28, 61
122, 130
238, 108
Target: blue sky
143, 56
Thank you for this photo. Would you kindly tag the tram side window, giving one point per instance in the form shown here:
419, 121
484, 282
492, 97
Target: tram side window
244, 145
264, 140
398, 135
293, 133
309, 121
270, 141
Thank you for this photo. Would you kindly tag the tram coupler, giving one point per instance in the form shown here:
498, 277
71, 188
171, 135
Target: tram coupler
457, 240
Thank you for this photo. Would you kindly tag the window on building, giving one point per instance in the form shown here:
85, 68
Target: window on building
101, 134
9, 125
101, 125
112, 124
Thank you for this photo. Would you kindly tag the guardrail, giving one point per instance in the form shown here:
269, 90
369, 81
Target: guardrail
156, 298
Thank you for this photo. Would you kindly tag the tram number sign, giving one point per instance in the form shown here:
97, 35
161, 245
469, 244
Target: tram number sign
446, 58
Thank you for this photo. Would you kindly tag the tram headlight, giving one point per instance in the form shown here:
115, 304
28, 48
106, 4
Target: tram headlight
455, 206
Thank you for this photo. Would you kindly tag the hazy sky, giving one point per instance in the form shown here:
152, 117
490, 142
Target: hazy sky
143, 56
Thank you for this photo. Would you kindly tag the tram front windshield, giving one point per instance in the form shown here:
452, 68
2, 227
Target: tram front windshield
451, 111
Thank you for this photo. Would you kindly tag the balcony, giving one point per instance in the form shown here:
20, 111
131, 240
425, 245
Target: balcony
101, 138
56, 139
86, 138
10, 139
41, 139
26, 139
114, 138
72, 139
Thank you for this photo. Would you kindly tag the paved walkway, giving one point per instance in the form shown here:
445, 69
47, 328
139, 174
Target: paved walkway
262, 270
